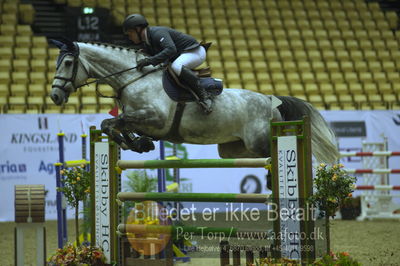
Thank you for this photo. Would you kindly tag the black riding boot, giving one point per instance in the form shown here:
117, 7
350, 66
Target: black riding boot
193, 82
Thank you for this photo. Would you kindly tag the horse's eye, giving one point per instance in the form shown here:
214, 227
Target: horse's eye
68, 62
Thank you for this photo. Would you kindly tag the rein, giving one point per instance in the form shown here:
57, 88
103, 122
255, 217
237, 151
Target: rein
107, 76
119, 91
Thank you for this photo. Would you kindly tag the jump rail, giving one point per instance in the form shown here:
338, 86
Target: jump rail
366, 154
372, 171
193, 197
378, 187
195, 230
75, 163
194, 163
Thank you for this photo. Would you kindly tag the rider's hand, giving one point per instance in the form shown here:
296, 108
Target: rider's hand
142, 63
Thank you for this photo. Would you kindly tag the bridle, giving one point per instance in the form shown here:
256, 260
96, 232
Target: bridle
75, 55
71, 79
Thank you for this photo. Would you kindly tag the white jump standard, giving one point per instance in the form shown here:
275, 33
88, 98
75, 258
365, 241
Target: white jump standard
377, 193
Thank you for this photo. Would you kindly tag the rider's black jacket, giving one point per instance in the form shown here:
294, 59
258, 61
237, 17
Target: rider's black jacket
167, 44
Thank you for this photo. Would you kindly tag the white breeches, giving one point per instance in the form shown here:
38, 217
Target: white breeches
190, 59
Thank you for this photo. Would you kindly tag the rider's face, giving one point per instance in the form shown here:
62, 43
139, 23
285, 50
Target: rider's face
133, 36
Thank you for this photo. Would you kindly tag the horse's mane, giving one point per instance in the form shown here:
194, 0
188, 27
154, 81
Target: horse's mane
127, 48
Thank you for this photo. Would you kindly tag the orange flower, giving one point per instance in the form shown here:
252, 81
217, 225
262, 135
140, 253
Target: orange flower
350, 195
346, 254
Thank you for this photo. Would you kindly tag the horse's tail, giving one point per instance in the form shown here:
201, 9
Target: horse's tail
323, 139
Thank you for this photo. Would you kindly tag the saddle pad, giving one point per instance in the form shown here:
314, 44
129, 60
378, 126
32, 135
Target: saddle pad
179, 94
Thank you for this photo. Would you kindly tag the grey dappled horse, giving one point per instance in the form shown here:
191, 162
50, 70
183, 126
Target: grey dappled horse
239, 123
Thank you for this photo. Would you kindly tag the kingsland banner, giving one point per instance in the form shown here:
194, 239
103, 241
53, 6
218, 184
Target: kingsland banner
29, 149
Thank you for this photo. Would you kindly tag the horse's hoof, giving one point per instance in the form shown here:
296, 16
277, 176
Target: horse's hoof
145, 144
124, 146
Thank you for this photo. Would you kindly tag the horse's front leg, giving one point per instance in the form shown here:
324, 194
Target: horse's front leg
112, 128
145, 118
121, 129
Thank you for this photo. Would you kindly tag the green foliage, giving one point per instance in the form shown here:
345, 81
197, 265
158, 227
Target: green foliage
140, 181
69, 255
76, 183
333, 186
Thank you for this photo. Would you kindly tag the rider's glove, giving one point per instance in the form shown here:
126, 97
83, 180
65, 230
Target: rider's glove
142, 63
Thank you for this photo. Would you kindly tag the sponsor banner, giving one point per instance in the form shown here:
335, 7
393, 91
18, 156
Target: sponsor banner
289, 197
349, 128
102, 190
29, 149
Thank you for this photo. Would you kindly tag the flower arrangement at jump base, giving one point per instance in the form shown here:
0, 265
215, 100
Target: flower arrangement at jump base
340, 258
76, 188
82, 255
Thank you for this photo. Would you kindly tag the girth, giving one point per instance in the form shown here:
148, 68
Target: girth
173, 133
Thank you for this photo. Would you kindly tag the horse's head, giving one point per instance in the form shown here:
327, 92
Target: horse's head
70, 72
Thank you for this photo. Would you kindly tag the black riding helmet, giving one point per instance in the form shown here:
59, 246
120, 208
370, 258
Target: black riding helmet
133, 21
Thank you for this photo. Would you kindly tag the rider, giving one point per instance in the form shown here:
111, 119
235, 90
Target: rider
168, 45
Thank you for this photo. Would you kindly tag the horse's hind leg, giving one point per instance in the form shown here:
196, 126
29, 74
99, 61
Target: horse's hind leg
235, 149
256, 138
238, 149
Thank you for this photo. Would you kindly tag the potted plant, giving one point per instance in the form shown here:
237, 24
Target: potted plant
76, 188
333, 186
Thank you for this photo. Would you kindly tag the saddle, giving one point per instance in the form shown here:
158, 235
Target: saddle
179, 92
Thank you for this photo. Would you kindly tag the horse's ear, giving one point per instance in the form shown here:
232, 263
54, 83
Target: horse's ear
57, 43
70, 44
